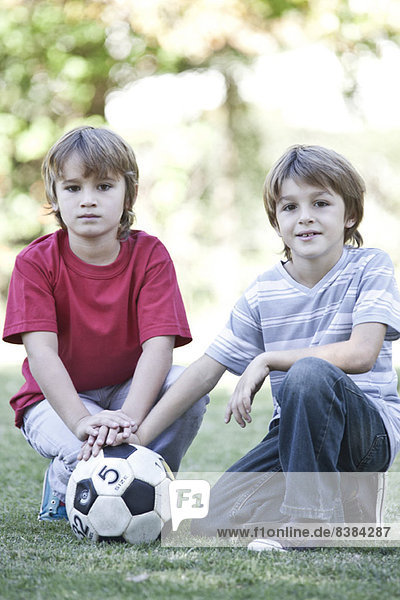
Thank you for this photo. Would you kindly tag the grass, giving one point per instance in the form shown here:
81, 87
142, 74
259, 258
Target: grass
43, 561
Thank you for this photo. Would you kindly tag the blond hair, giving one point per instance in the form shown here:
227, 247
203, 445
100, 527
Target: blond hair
319, 166
103, 153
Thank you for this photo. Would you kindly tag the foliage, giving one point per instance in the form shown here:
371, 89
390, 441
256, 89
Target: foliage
62, 60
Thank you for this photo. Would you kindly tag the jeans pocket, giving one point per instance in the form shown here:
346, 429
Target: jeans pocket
378, 456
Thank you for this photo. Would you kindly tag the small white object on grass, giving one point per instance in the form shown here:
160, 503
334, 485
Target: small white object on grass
265, 545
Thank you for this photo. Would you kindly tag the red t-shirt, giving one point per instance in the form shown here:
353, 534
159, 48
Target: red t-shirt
101, 314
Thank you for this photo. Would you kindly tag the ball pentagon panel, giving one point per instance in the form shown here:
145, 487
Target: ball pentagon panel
143, 528
109, 516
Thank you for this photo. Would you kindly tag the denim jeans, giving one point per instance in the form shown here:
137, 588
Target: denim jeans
327, 426
51, 438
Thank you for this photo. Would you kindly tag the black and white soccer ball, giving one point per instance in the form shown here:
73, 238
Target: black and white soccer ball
121, 494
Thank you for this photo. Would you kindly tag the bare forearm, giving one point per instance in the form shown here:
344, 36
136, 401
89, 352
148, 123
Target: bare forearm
196, 381
337, 354
57, 387
355, 355
150, 374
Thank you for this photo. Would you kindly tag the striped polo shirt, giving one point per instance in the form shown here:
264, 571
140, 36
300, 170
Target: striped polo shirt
278, 313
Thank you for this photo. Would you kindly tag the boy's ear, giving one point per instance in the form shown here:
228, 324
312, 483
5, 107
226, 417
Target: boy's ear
54, 205
349, 222
277, 230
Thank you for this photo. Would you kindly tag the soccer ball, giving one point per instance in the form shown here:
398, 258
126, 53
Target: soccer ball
121, 494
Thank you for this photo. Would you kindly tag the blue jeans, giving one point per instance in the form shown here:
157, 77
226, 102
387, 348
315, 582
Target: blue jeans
327, 427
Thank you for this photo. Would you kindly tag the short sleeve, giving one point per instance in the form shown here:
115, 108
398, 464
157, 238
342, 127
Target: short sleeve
160, 307
30, 304
378, 298
241, 339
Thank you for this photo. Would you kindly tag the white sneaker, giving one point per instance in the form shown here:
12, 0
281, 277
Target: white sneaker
265, 545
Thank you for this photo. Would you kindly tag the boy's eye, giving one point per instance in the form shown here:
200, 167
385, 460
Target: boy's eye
104, 187
72, 188
288, 207
321, 203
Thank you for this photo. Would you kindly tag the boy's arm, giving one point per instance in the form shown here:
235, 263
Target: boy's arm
196, 381
150, 373
57, 387
358, 354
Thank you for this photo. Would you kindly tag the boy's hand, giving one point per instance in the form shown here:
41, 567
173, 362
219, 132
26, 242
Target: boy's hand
111, 427
104, 425
250, 382
92, 448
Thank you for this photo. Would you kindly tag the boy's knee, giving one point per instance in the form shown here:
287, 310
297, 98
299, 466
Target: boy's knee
173, 374
309, 371
198, 409
311, 375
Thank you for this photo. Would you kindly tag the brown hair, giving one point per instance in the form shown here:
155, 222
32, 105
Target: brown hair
320, 166
103, 153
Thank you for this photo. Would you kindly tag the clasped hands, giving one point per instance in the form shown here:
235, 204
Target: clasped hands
108, 427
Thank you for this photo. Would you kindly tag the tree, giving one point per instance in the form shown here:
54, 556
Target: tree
60, 59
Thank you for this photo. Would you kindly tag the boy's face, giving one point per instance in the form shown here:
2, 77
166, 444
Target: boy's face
90, 207
312, 221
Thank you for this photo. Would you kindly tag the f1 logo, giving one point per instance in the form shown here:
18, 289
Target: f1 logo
189, 499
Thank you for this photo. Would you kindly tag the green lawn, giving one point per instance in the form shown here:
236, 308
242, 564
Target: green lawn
45, 561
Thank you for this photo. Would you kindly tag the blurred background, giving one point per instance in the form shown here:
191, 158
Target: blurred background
209, 93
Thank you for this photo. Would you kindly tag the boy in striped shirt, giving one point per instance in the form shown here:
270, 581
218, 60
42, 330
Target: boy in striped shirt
320, 324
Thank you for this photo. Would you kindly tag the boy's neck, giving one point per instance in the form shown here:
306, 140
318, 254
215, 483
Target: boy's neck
308, 273
95, 252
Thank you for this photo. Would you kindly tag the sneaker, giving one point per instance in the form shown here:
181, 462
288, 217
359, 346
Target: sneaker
266, 545
269, 544
51, 508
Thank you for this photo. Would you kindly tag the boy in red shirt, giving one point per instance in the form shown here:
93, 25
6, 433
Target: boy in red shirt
98, 308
